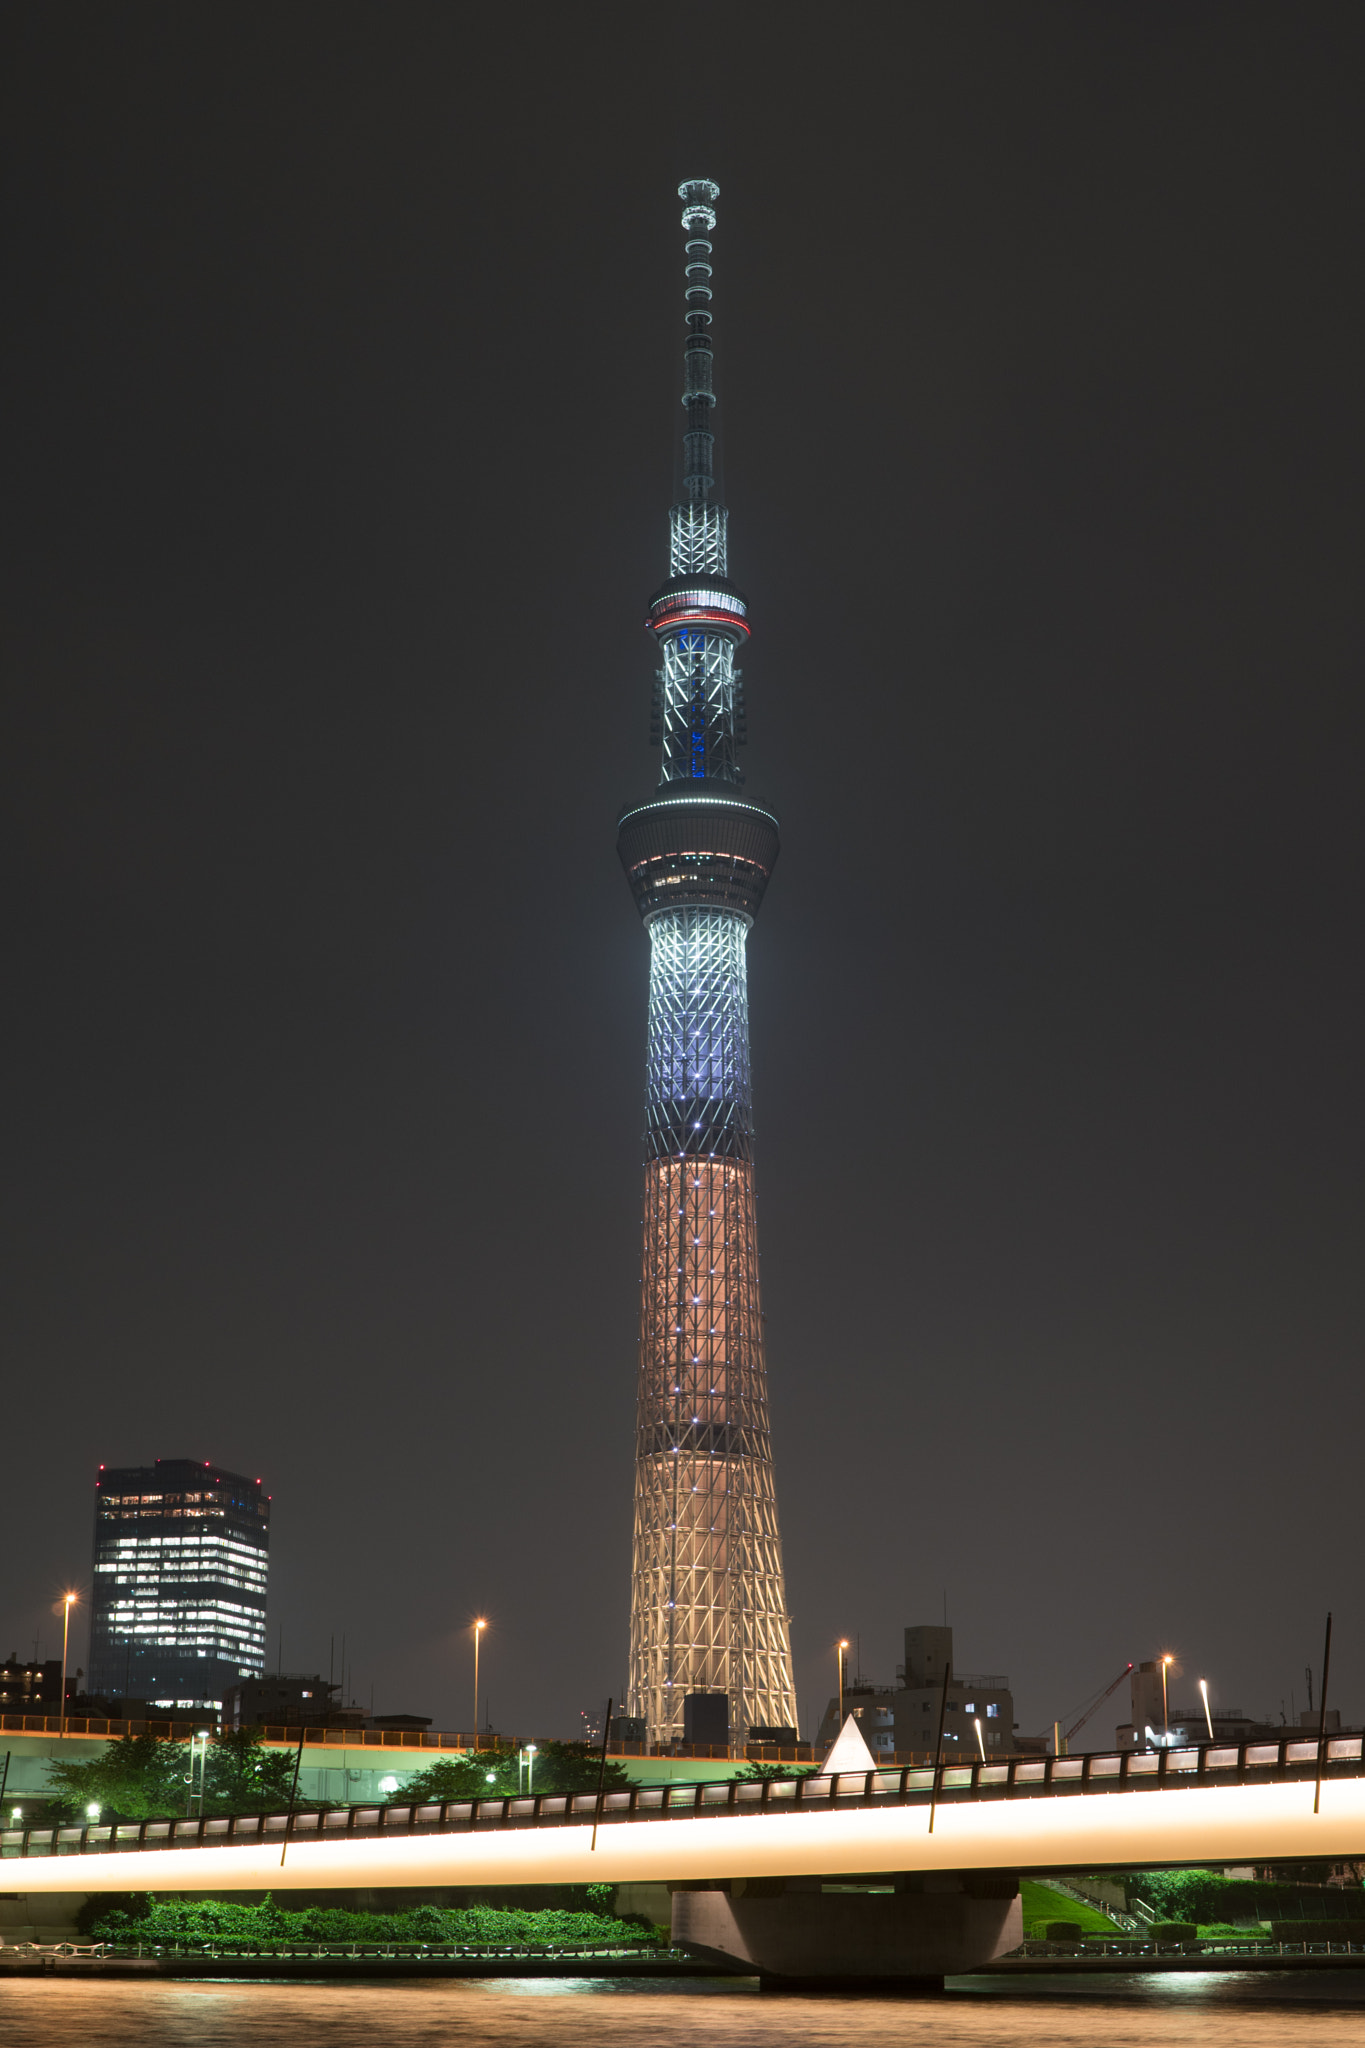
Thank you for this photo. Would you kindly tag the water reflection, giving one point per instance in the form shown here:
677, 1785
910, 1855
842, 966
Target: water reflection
1223, 2011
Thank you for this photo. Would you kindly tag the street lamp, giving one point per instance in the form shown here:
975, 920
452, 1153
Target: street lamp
479, 1628
528, 1757
68, 1602
839, 1653
1204, 1689
980, 1738
199, 1752
1166, 1664
92, 1811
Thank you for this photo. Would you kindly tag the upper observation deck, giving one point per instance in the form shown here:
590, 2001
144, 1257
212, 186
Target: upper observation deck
710, 604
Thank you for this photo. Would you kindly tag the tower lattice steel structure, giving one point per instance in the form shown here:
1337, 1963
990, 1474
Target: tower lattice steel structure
708, 1608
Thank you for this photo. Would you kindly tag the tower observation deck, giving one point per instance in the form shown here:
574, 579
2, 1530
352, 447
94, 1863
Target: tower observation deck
708, 1605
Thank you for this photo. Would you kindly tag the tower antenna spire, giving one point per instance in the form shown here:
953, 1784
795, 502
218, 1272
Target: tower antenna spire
698, 617
710, 1649
697, 537
699, 196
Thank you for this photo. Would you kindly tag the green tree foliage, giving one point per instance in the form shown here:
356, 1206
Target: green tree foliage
776, 1772
140, 1777
243, 1776
1209, 1898
483, 1774
576, 1767
190, 1922
146, 1777
496, 1774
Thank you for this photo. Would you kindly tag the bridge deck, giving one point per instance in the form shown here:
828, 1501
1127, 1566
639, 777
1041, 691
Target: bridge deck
1230, 1803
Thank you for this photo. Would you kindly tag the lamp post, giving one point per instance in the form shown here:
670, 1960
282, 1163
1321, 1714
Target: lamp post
528, 1757
1204, 1690
1166, 1664
479, 1628
68, 1602
199, 1754
839, 1653
203, 1764
980, 1738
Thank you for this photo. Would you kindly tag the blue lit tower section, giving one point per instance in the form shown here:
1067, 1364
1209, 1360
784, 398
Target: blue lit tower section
708, 1608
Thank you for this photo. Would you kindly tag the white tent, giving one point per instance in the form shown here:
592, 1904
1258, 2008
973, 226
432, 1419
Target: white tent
849, 1751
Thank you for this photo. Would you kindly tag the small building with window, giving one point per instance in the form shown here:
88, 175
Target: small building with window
901, 1722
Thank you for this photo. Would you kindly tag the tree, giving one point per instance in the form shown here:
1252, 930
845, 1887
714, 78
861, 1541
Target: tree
146, 1777
575, 1767
243, 1776
497, 1774
140, 1777
774, 1772
483, 1774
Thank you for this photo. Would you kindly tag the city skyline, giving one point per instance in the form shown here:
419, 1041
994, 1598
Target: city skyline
345, 381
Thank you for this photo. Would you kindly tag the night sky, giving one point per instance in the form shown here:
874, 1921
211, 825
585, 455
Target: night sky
341, 369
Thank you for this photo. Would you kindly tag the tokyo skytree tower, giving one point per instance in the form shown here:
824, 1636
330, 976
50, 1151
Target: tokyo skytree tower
708, 1605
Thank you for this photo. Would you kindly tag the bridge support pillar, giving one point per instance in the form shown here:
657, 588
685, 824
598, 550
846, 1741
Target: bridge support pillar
892, 1932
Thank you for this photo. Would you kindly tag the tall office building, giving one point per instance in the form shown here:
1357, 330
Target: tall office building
180, 1564
708, 1609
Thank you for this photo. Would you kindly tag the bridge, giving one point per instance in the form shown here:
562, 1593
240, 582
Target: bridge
908, 1874
1254, 1802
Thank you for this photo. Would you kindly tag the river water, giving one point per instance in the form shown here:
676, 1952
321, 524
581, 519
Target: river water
1232, 2011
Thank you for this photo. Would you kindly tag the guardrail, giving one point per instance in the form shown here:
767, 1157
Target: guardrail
377, 1738
181, 1731
1020, 1777
11, 1951
270, 1951
1138, 1949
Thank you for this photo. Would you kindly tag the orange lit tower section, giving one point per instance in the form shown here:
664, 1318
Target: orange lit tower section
708, 1607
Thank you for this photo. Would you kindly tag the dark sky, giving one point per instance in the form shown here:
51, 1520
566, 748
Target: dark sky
341, 367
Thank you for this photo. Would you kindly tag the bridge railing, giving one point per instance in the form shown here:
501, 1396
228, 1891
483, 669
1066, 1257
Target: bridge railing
318, 1737
647, 1947
1265, 1950
1013, 1777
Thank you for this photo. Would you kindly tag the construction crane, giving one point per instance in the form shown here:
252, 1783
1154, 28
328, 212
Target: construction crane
1093, 1708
